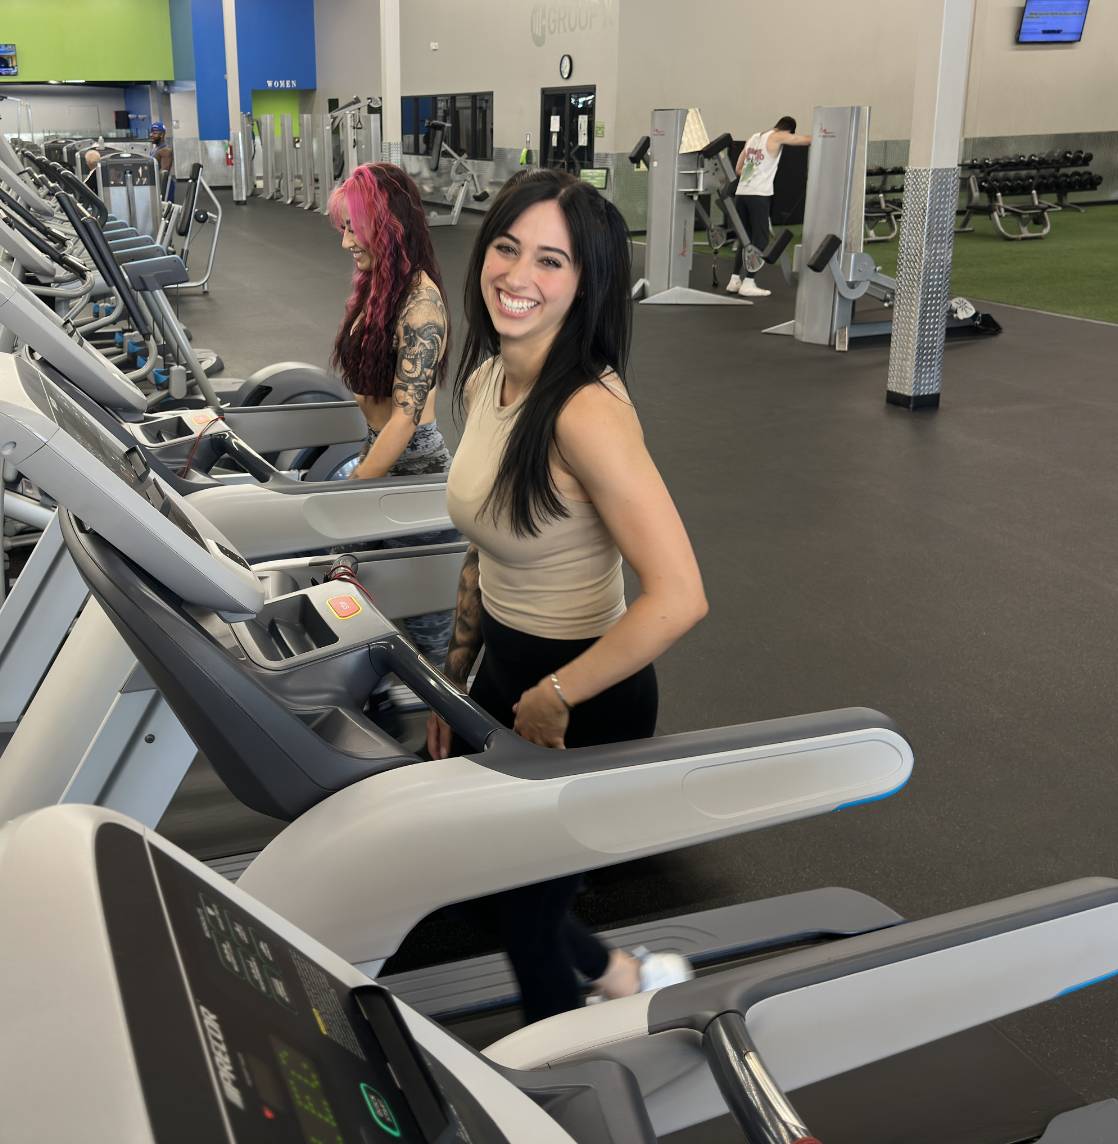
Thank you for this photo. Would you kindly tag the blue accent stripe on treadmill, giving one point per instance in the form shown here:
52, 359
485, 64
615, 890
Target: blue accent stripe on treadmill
1087, 984
871, 798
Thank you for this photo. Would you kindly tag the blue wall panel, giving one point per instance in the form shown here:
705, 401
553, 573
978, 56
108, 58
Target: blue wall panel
137, 102
209, 69
182, 40
275, 46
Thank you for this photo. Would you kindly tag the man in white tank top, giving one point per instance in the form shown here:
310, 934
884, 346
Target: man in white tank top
756, 169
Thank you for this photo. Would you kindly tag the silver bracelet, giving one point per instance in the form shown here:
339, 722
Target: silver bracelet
559, 691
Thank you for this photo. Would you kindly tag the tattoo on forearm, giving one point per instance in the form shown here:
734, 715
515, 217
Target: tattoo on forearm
465, 640
422, 335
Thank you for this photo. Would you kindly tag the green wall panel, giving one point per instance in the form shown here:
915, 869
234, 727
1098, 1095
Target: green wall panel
277, 103
108, 40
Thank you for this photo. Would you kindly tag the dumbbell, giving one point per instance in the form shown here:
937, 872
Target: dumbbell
1077, 158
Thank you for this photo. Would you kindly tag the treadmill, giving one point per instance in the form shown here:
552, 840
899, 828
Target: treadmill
269, 672
271, 681
148, 1000
267, 513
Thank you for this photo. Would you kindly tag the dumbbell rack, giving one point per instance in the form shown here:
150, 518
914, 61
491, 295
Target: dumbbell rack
883, 204
992, 179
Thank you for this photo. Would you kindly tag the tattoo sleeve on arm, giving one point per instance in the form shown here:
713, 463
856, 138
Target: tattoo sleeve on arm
465, 640
422, 334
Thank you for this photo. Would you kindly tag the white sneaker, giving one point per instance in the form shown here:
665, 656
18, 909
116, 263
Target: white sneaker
750, 289
734, 285
659, 970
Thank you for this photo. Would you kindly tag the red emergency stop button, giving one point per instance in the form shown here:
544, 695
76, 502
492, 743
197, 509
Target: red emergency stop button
344, 607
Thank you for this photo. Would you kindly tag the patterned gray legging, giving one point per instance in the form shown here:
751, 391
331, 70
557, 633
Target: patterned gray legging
426, 453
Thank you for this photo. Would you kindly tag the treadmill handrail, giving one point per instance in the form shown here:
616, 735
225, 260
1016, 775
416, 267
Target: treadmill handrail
513, 756
810, 1014
694, 1004
16, 207
41, 243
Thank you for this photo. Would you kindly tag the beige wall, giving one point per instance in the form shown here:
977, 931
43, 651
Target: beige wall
804, 53
743, 62
1054, 89
347, 49
512, 48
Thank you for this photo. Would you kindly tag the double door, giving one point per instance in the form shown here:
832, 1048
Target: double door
567, 128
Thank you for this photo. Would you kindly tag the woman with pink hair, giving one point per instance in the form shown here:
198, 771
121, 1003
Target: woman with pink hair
391, 346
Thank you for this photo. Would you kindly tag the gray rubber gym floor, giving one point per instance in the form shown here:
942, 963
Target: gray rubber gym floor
957, 570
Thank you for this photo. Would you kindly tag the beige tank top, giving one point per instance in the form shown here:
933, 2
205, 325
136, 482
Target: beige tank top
565, 582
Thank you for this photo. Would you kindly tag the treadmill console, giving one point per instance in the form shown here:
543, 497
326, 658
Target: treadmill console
64, 450
130, 466
292, 1053
37, 326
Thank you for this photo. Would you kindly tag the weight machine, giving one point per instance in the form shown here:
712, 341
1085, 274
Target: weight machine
838, 272
684, 165
462, 176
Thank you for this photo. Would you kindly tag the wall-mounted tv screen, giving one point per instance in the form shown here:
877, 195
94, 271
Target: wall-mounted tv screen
1052, 22
8, 60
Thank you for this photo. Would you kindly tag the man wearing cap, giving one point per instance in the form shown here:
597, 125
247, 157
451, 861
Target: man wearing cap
162, 153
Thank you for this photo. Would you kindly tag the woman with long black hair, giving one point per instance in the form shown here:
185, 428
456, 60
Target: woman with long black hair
554, 487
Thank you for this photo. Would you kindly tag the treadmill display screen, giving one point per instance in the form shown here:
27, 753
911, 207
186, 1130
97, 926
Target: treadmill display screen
297, 1055
129, 464
304, 1085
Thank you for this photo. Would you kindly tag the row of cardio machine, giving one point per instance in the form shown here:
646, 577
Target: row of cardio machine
112, 285
178, 1006
130, 185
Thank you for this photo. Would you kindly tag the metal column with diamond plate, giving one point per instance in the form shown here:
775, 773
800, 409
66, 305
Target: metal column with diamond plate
390, 147
931, 193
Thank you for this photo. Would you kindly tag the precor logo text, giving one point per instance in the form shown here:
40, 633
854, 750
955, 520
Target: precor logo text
226, 1074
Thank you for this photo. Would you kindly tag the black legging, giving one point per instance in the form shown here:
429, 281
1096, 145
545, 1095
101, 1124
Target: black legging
754, 211
544, 943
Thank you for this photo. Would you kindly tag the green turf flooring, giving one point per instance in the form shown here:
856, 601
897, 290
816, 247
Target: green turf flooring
1073, 270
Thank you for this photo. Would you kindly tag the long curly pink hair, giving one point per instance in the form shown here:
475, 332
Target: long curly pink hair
388, 220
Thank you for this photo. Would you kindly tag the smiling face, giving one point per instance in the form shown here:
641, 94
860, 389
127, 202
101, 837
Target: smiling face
528, 279
362, 260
